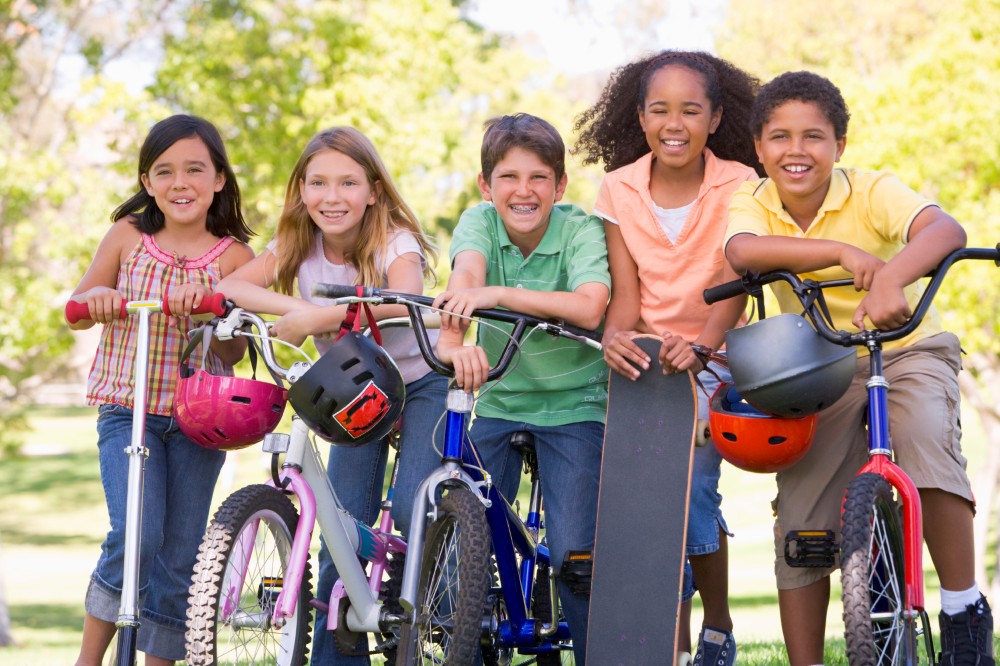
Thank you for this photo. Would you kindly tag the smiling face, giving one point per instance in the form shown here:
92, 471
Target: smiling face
183, 182
523, 190
798, 147
677, 116
336, 192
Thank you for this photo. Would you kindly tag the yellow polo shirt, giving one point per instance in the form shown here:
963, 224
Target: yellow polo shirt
871, 210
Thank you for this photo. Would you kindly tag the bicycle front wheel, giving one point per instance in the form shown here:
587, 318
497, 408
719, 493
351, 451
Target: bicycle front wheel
454, 582
877, 629
239, 574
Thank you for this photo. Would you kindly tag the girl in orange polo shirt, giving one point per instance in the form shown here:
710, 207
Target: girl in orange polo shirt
672, 133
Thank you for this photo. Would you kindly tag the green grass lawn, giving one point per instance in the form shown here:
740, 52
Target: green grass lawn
53, 521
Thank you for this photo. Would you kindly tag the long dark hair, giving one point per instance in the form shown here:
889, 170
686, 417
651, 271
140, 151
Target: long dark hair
225, 215
610, 132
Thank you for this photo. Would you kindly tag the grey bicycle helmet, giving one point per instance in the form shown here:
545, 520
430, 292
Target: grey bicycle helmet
782, 366
352, 395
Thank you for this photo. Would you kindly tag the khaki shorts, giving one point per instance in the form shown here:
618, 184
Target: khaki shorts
926, 437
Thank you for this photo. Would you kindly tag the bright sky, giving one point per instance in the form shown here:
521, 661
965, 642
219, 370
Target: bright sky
581, 36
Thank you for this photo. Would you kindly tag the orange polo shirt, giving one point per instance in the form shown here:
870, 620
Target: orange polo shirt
672, 276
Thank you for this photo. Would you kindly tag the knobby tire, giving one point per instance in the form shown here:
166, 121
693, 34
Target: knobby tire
454, 583
231, 631
872, 563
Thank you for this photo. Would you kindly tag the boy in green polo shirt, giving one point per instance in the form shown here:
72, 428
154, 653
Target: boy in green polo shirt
827, 223
521, 251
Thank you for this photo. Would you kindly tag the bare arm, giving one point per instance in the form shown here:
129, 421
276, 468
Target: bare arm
623, 310
933, 235
98, 287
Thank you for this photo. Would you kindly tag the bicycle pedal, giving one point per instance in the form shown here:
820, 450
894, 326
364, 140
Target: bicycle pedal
577, 570
810, 549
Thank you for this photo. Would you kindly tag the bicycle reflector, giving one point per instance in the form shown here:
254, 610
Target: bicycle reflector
755, 441
352, 395
782, 366
224, 413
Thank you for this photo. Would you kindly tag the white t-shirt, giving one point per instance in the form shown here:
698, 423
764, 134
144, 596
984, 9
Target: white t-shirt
400, 343
672, 219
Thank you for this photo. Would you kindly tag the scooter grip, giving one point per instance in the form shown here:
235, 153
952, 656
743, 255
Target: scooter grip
214, 304
76, 311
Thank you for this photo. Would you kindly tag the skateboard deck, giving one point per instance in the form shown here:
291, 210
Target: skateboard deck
642, 516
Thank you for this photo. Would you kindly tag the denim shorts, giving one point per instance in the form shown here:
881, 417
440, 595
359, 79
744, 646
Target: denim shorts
178, 483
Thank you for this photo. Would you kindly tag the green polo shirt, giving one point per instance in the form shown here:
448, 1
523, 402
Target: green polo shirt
557, 380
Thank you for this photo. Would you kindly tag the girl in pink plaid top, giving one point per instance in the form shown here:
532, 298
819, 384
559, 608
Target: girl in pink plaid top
175, 238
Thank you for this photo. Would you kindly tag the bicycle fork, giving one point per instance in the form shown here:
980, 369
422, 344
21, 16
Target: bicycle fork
880, 462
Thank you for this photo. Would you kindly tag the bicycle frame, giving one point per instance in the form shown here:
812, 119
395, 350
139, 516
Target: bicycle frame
511, 537
304, 475
879, 440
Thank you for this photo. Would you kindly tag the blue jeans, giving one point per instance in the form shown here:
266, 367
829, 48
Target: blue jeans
705, 512
179, 480
357, 474
569, 464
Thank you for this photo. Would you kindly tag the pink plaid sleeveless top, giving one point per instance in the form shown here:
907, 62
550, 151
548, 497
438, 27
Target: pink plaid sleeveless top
147, 274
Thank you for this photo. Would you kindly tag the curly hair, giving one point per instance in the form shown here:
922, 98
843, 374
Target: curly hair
609, 131
801, 87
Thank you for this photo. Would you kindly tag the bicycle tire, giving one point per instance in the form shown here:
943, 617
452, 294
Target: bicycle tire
245, 634
454, 582
876, 630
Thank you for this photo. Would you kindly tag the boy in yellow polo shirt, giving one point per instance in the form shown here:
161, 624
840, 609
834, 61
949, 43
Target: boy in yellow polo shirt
826, 223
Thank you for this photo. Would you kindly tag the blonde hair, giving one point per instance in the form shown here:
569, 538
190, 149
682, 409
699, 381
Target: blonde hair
296, 233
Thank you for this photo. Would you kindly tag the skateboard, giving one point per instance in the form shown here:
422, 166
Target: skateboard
642, 516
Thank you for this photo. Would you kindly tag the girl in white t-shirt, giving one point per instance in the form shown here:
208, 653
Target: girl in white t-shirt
344, 222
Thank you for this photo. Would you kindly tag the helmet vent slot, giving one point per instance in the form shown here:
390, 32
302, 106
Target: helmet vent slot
774, 441
242, 399
350, 363
730, 436
363, 377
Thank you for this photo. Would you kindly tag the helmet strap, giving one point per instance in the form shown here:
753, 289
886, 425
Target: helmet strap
352, 322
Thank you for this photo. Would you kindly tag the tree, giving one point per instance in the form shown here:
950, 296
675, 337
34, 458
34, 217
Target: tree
920, 79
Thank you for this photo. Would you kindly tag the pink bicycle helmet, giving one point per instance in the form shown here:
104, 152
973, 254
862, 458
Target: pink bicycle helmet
224, 413
755, 441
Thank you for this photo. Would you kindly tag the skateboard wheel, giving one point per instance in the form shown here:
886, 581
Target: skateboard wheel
702, 433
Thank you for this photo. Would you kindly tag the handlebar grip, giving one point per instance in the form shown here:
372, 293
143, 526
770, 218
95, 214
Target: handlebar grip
215, 304
326, 290
76, 311
723, 291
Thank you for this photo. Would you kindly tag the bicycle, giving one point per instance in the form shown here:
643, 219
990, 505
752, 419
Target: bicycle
128, 611
882, 532
483, 580
251, 598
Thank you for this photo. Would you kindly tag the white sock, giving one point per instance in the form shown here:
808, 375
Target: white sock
953, 603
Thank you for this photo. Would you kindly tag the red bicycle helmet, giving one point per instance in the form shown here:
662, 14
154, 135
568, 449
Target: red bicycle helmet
352, 395
755, 441
224, 413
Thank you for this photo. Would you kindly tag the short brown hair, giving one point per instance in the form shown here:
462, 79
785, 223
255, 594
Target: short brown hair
522, 130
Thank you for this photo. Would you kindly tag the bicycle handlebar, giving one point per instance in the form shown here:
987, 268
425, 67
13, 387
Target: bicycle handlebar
413, 302
807, 292
215, 304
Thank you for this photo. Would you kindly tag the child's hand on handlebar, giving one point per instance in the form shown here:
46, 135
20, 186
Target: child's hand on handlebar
185, 298
470, 362
464, 302
104, 304
861, 265
884, 305
295, 326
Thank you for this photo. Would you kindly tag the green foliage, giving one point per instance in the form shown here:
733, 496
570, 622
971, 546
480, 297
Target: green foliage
414, 77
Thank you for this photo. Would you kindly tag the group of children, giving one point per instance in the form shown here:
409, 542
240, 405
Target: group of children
685, 138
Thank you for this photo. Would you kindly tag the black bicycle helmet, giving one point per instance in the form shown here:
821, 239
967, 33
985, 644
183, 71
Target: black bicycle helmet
352, 395
782, 366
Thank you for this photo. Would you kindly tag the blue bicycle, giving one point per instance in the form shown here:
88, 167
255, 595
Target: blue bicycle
478, 579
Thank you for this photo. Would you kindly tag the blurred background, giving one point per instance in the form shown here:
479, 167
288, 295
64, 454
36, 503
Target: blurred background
81, 82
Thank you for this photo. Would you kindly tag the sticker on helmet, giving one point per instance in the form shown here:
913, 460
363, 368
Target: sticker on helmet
364, 412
